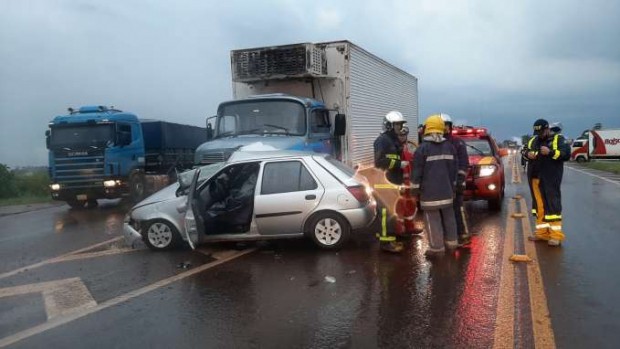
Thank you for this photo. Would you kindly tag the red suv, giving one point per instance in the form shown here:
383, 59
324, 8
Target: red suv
485, 177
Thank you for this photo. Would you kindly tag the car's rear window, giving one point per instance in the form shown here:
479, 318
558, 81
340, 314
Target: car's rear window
342, 167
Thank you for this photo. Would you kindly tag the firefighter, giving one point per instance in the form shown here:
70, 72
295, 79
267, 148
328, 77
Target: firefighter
462, 160
547, 153
388, 152
434, 179
406, 205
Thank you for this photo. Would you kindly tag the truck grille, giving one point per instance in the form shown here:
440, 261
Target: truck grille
79, 171
278, 62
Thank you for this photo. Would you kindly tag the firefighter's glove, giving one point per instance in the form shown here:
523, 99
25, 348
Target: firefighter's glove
404, 164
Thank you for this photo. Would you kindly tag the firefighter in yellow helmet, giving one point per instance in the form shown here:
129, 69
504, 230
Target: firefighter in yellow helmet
434, 180
547, 152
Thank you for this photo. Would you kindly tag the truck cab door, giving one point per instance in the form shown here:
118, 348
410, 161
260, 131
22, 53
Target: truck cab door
193, 227
320, 139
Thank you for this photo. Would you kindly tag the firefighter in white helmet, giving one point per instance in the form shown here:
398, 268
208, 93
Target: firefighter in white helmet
388, 150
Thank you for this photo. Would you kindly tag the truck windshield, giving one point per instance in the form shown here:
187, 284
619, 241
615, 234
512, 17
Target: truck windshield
81, 136
262, 117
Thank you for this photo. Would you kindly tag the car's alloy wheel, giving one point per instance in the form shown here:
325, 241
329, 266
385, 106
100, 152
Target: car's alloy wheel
329, 230
161, 235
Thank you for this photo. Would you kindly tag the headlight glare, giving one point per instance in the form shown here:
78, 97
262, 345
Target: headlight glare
487, 170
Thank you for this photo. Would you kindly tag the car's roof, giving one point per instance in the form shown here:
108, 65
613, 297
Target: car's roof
243, 155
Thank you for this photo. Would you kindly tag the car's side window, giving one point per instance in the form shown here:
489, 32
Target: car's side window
286, 177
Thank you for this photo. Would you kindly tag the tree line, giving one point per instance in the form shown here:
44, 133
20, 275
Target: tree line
23, 182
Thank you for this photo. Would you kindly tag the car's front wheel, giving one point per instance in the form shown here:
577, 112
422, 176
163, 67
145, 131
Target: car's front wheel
328, 230
160, 235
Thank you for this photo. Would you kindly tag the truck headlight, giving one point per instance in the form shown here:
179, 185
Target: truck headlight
111, 183
487, 170
55, 186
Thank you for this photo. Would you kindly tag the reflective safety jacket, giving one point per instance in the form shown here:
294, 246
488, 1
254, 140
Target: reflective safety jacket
388, 152
462, 159
434, 173
550, 166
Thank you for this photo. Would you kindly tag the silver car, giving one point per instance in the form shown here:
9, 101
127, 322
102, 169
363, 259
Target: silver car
256, 196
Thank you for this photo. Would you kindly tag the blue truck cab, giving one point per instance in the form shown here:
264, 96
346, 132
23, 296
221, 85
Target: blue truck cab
277, 121
98, 152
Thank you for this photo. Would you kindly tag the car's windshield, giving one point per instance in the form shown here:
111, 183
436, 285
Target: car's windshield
478, 147
261, 117
81, 136
185, 178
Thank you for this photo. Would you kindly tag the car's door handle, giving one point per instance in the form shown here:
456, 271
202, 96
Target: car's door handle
310, 197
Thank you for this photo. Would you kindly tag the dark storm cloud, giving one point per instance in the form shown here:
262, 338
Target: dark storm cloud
494, 63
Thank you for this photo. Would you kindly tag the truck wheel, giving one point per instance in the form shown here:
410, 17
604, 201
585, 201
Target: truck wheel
136, 187
160, 235
581, 159
76, 204
328, 230
92, 203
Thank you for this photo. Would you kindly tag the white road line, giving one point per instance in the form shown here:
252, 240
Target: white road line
58, 321
594, 175
61, 297
59, 258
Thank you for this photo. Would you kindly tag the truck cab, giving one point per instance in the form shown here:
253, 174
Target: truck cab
90, 151
270, 121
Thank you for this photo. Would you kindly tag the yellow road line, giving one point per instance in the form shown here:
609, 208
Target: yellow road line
504, 327
541, 318
58, 321
58, 258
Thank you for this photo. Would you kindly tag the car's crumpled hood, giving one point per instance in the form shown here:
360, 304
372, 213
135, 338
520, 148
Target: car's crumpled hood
166, 194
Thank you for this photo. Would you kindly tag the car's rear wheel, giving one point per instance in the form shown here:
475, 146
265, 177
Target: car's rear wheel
160, 235
328, 230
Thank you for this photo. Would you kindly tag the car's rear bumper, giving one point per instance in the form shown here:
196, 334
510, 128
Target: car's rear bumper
362, 217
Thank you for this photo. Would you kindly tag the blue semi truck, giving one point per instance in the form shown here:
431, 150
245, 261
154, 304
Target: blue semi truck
98, 152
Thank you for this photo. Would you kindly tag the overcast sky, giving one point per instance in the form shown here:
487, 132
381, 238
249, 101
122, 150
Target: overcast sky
501, 64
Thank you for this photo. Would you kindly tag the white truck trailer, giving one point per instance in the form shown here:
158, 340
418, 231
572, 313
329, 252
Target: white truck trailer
327, 97
599, 144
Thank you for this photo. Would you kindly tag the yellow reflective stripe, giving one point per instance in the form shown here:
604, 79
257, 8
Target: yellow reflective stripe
556, 227
393, 156
385, 186
553, 217
392, 164
387, 238
556, 154
533, 211
543, 226
554, 145
529, 144
383, 223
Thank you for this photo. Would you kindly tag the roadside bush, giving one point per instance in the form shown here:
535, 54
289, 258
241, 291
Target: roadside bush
23, 182
8, 189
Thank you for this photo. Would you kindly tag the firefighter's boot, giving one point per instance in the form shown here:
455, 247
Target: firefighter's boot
556, 236
464, 240
392, 246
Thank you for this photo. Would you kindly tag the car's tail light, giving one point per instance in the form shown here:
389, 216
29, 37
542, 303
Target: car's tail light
360, 193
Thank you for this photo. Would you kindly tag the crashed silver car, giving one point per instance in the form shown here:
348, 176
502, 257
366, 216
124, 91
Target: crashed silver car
256, 196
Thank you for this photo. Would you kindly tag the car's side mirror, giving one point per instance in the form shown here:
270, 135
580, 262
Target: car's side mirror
340, 125
503, 152
209, 132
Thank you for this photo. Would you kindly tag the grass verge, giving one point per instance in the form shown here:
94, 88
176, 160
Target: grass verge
24, 200
609, 166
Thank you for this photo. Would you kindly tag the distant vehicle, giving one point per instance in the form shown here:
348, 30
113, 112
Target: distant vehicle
98, 152
256, 196
326, 97
485, 177
596, 144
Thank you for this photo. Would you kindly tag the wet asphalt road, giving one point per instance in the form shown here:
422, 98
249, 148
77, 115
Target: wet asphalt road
289, 294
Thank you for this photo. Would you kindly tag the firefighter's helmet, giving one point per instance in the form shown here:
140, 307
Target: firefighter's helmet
434, 124
392, 118
447, 120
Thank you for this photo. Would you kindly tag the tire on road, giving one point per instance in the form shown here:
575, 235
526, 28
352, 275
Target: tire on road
160, 235
328, 230
137, 187
76, 204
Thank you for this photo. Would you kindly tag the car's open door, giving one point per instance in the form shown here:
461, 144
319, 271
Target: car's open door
192, 225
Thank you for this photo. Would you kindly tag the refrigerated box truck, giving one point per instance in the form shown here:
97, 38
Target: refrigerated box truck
599, 144
327, 97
